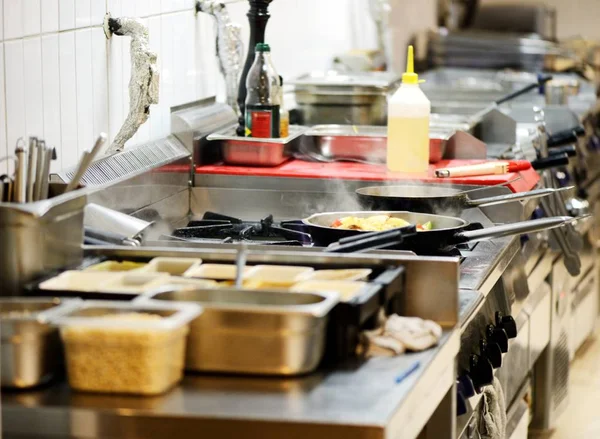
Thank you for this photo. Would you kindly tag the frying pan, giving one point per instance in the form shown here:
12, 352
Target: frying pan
447, 231
431, 199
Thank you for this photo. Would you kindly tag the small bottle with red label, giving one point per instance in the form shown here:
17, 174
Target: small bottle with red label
262, 99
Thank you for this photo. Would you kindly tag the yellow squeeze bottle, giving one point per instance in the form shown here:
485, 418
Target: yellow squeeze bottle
408, 124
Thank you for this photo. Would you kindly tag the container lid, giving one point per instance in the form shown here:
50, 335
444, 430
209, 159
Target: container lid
85, 317
263, 47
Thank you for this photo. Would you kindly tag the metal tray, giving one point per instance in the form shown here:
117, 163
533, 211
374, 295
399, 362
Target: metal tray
368, 143
254, 332
253, 151
31, 348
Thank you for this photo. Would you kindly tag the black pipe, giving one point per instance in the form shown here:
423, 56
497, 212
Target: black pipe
258, 15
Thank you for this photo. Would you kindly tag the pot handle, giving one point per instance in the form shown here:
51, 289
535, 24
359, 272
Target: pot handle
565, 137
519, 196
519, 228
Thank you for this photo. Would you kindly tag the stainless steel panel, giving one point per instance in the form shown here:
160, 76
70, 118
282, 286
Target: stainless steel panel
255, 332
584, 312
356, 403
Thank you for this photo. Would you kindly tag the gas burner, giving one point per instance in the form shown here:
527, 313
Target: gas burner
217, 228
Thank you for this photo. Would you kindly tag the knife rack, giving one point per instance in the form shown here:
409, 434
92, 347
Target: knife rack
258, 15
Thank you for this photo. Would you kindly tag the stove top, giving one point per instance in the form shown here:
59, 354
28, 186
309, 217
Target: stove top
216, 228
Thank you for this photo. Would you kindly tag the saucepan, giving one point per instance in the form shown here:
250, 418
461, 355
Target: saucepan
446, 231
436, 199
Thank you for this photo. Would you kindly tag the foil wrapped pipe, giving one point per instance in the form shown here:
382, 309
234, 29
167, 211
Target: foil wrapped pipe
144, 81
230, 49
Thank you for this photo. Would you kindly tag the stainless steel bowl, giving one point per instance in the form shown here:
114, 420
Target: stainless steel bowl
255, 332
31, 348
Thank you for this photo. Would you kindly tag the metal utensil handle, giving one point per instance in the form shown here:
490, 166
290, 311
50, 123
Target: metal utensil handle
519, 228
240, 264
83, 165
519, 196
523, 90
371, 241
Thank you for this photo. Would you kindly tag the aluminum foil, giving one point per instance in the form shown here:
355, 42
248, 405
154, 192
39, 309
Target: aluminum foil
144, 81
230, 49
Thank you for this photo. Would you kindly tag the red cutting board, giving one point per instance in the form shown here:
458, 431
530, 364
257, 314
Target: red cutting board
359, 171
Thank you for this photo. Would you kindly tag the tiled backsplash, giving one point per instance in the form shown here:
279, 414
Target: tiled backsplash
65, 82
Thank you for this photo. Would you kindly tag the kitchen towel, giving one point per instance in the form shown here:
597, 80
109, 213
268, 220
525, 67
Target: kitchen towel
399, 334
493, 422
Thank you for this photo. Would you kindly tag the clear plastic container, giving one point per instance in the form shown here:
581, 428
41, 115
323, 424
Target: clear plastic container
116, 266
216, 271
346, 289
341, 274
173, 266
270, 276
121, 347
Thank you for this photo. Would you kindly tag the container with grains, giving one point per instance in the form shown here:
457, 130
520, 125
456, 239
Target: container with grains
121, 347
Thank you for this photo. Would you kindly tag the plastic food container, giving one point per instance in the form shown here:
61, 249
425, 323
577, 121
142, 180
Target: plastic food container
136, 283
115, 266
276, 275
172, 266
347, 290
86, 281
111, 348
31, 348
342, 274
216, 271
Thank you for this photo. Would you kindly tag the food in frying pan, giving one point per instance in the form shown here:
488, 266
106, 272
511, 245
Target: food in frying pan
376, 223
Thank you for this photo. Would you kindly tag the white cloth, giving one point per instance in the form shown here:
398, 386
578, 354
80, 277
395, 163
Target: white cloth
399, 334
493, 422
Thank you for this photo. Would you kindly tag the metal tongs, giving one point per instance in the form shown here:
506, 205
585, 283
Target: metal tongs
372, 241
240, 264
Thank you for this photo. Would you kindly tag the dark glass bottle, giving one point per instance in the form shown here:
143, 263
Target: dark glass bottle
262, 98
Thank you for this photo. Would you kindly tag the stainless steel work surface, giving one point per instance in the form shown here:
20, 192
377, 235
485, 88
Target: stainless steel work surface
358, 402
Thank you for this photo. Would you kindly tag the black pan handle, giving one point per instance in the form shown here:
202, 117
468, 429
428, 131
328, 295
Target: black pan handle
569, 150
565, 137
518, 228
524, 90
373, 240
550, 162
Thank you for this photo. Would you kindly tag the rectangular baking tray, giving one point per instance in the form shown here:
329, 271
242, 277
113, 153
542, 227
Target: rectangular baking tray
364, 142
253, 151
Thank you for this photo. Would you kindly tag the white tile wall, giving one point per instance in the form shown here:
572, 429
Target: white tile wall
62, 80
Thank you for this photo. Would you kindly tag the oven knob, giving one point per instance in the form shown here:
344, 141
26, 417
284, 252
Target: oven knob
507, 323
465, 385
497, 335
481, 372
492, 352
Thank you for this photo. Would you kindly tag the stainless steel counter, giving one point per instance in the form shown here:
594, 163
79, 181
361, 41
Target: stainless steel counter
358, 402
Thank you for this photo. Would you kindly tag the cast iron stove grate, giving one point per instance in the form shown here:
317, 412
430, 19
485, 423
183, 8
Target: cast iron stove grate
217, 228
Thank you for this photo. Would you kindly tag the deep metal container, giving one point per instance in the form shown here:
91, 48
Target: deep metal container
255, 332
361, 142
358, 98
252, 151
31, 347
39, 237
